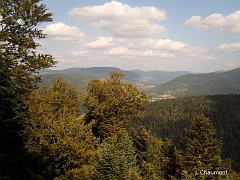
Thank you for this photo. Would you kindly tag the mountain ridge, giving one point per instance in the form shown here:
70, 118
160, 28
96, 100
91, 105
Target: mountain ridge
156, 83
80, 76
227, 82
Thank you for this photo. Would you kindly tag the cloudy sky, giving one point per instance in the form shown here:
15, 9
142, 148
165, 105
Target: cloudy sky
169, 35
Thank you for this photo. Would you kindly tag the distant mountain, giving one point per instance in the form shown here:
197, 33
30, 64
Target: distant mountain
80, 76
226, 82
160, 77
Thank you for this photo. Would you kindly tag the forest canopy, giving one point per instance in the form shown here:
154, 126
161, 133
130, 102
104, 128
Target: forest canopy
45, 134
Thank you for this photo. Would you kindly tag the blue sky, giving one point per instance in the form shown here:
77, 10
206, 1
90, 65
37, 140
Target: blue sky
199, 36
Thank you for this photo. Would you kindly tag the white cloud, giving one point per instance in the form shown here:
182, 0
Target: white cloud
229, 47
209, 59
193, 51
123, 20
116, 9
228, 63
72, 56
159, 44
78, 53
170, 45
100, 43
61, 31
225, 24
123, 51
167, 46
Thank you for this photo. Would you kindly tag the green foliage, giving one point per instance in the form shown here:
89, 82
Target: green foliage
201, 84
188, 176
19, 30
80, 76
113, 103
148, 151
58, 137
117, 159
170, 160
168, 118
12, 156
18, 61
202, 150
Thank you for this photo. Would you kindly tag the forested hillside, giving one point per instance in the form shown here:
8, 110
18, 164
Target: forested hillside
201, 84
46, 135
80, 76
177, 84
168, 118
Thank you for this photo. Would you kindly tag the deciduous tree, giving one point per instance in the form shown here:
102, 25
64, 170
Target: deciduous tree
58, 136
19, 61
113, 103
18, 35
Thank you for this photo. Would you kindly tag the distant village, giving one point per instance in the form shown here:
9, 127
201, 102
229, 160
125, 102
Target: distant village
160, 97
155, 97
143, 86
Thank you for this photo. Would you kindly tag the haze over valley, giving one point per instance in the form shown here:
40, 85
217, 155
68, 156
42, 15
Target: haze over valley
157, 84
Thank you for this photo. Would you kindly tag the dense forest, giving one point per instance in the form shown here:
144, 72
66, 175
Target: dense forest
59, 142
46, 135
168, 118
201, 84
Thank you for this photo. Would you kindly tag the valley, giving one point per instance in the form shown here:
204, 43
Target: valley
157, 84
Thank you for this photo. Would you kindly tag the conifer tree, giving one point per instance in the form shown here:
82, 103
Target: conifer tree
12, 156
117, 159
202, 150
169, 160
58, 136
113, 104
148, 150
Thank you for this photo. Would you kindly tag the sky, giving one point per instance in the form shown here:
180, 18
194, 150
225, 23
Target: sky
167, 35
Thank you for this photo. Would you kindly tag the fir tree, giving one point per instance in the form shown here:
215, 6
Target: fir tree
169, 160
202, 150
12, 155
117, 160
148, 150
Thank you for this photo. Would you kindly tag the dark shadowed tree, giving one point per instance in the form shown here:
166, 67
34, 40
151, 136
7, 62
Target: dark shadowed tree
19, 61
169, 160
148, 150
